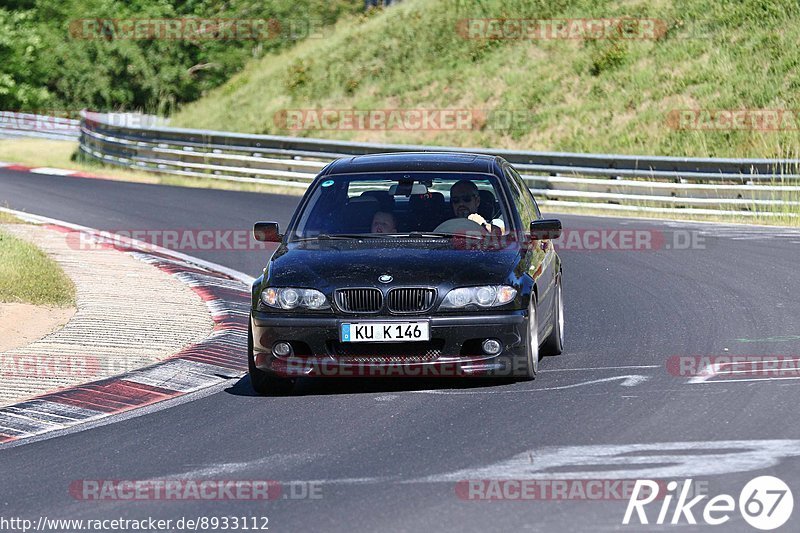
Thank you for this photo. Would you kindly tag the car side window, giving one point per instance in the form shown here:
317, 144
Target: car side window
527, 195
526, 211
516, 197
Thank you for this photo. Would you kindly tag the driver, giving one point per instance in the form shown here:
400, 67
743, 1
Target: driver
465, 200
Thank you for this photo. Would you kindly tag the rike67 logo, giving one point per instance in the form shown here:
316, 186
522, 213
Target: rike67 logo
765, 503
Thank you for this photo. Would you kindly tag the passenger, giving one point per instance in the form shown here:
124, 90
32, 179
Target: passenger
465, 200
383, 222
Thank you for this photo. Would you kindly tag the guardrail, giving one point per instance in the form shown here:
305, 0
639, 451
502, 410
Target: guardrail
765, 187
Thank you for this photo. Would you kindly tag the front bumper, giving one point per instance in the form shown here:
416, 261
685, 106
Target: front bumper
454, 349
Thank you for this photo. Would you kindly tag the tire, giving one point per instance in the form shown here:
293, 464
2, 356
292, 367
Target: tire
262, 382
531, 364
554, 344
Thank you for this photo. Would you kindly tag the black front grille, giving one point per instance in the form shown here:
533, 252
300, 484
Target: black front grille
359, 300
386, 352
411, 300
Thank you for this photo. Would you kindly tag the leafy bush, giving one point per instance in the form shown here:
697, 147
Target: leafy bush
45, 62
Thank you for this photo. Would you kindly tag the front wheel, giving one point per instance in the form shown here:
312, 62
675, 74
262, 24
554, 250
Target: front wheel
531, 363
554, 344
262, 382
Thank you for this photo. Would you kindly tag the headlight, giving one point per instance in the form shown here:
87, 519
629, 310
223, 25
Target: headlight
291, 298
487, 296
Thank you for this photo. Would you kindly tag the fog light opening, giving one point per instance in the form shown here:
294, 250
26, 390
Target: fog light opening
281, 349
491, 346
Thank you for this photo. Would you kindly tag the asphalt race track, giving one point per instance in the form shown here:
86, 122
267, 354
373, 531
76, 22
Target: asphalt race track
388, 455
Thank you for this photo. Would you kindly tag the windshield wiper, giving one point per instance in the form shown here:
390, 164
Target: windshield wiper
411, 234
340, 236
435, 235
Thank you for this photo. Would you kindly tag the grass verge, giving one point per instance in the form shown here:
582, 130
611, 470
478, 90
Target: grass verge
7, 218
27, 275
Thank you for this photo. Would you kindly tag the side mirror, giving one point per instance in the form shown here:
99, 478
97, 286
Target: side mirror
549, 228
267, 232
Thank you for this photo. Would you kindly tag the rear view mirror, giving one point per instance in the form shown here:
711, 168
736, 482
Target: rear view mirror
267, 232
549, 228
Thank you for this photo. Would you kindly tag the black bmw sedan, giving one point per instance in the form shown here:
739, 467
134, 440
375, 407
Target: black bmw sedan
408, 265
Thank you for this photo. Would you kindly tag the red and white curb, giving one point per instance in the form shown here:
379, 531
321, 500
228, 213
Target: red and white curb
219, 357
50, 171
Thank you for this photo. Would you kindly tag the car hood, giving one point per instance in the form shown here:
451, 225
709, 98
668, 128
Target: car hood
340, 263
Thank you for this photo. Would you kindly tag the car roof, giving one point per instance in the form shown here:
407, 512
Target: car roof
417, 162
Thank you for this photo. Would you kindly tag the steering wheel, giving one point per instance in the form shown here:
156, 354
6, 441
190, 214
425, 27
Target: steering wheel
460, 225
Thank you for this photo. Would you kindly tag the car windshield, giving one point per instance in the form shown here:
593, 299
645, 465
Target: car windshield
396, 204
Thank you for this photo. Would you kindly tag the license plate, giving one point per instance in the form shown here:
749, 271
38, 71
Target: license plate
384, 332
